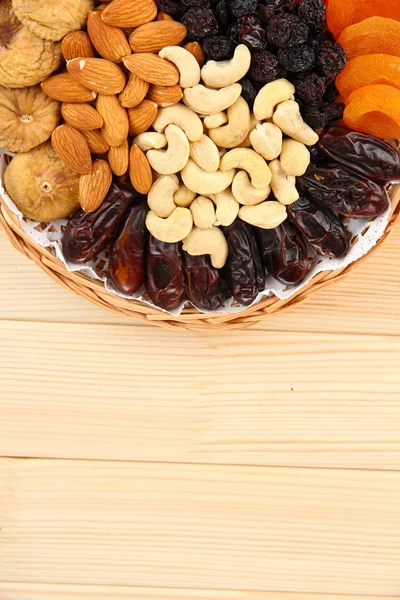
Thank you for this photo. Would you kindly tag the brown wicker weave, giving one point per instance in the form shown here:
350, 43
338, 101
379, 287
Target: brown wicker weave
190, 319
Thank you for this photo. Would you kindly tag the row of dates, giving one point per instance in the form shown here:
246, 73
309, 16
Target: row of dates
346, 179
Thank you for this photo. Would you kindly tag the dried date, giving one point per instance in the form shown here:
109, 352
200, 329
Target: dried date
127, 260
88, 233
165, 277
244, 271
205, 287
321, 228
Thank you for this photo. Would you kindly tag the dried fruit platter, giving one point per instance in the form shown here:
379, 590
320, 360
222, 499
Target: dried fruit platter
199, 164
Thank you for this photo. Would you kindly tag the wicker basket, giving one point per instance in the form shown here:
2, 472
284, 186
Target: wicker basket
190, 319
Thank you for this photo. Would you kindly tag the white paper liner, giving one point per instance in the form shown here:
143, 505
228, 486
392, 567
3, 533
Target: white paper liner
367, 233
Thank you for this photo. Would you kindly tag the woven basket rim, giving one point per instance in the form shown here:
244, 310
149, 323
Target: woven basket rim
190, 318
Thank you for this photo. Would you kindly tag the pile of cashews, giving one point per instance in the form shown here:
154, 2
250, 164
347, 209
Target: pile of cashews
221, 161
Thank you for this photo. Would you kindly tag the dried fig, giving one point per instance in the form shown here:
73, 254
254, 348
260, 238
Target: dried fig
27, 118
41, 186
25, 59
52, 19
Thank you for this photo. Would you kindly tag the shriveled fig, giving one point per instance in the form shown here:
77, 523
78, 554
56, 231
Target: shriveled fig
52, 19
27, 118
25, 59
41, 186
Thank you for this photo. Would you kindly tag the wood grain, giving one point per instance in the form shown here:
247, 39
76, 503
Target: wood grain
111, 392
350, 306
194, 526
32, 591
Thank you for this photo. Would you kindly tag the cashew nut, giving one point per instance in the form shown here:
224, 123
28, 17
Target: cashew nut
288, 118
149, 140
283, 185
173, 229
266, 140
161, 195
205, 153
183, 196
267, 215
295, 158
270, 95
250, 161
183, 117
203, 183
227, 208
213, 121
175, 157
233, 134
253, 124
225, 72
247, 194
203, 212
207, 241
186, 64
208, 102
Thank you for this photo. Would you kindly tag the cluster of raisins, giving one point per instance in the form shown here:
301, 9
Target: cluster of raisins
286, 39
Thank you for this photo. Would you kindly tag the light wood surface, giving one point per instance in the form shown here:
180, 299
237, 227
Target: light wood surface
143, 464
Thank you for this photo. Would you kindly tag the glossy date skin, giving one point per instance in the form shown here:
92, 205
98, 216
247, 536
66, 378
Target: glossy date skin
206, 288
284, 253
127, 259
367, 155
243, 270
321, 228
342, 191
88, 233
165, 277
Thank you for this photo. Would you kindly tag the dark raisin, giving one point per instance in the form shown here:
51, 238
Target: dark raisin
240, 8
190, 3
218, 47
331, 58
331, 94
199, 22
297, 59
171, 7
313, 13
249, 92
264, 67
268, 8
287, 30
232, 33
310, 87
251, 32
321, 115
222, 13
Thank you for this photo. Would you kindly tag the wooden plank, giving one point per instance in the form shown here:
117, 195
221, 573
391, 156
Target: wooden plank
366, 302
32, 591
111, 392
195, 526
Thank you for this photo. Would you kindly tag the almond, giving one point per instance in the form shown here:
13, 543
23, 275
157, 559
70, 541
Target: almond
72, 149
162, 16
65, 88
197, 51
135, 91
116, 125
142, 117
139, 170
152, 68
77, 44
94, 186
110, 42
165, 95
96, 142
81, 116
98, 75
118, 157
129, 13
152, 37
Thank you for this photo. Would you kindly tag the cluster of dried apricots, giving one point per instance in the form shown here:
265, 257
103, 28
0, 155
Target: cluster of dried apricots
369, 32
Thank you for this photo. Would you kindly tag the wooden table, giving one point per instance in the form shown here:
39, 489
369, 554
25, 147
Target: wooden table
153, 465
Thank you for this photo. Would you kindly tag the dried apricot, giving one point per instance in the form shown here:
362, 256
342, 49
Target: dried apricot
376, 35
342, 13
368, 70
374, 109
